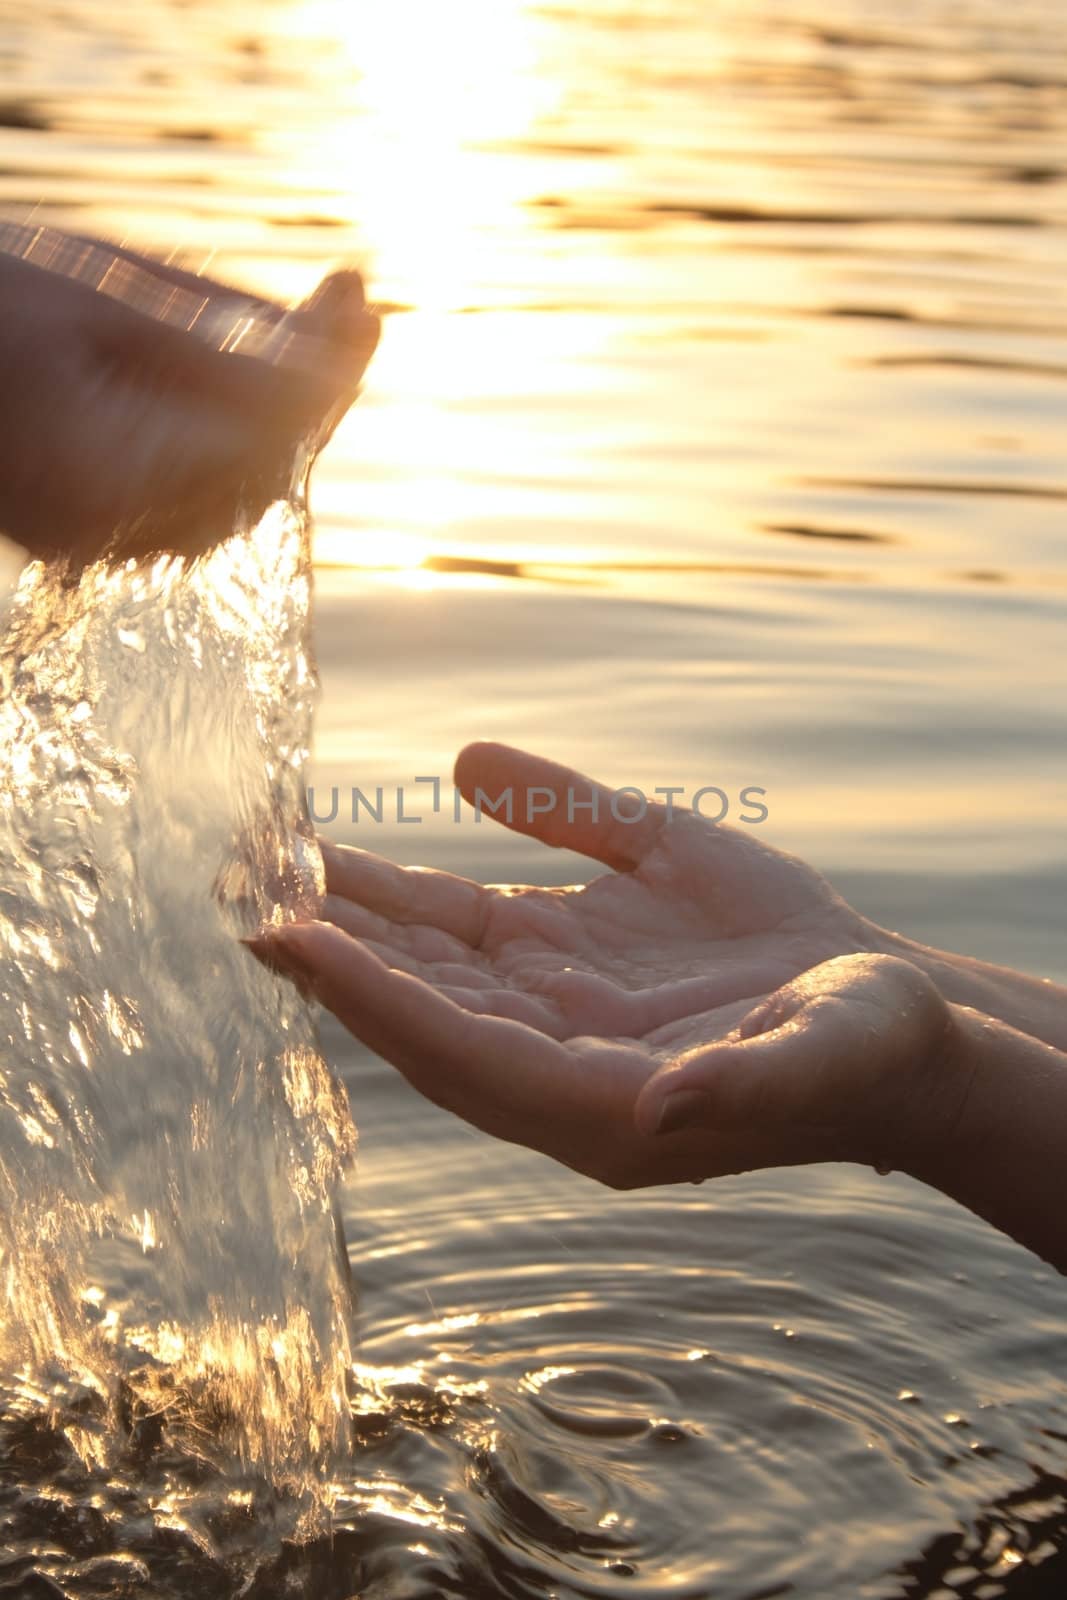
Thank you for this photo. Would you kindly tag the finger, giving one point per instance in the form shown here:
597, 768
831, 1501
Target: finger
534, 1011
800, 1052
168, 297
338, 310
335, 306
469, 986
558, 805
787, 1077
173, 406
408, 894
688, 1000
444, 975
447, 977
208, 437
161, 271
393, 958
169, 361
493, 1071
278, 397
425, 943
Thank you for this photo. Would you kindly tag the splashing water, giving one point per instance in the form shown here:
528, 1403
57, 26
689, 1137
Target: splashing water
170, 1137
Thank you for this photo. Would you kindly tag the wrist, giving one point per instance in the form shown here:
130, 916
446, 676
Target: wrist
955, 976
956, 1124
931, 1078
1033, 1006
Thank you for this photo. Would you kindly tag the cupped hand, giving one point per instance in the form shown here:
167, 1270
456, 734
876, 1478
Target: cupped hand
124, 430
563, 1018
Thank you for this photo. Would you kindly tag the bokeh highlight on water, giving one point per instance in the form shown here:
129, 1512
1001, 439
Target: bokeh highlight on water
715, 437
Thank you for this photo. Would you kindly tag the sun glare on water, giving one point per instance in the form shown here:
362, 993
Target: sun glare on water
417, 155
432, 88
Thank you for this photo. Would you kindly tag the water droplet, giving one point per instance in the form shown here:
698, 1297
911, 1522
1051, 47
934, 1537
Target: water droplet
668, 1433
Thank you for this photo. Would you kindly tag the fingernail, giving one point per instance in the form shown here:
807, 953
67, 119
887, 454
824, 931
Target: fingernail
684, 1108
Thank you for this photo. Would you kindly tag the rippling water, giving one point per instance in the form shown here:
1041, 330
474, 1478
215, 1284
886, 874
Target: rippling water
715, 437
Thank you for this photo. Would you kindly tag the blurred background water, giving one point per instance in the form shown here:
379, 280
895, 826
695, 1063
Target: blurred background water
715, 437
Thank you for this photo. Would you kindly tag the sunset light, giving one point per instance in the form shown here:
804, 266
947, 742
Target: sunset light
533, 762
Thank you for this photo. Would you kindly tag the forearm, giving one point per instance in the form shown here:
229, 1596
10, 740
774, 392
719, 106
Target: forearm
1034, 1006
1004, 1155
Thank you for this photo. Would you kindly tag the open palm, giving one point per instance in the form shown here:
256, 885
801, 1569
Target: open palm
694, 916
562, 1018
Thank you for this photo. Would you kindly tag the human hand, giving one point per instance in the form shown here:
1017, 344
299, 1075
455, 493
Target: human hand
693, 914
563, 1019
123, 431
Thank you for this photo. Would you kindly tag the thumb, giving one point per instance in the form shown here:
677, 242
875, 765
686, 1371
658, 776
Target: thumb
827, 1055
738, 1084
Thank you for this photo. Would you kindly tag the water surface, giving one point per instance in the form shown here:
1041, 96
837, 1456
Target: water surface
715, 437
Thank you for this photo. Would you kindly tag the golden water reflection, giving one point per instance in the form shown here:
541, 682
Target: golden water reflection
715, 437
663, 283
404, 147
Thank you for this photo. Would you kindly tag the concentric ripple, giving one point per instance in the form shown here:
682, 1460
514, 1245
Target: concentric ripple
854, 1407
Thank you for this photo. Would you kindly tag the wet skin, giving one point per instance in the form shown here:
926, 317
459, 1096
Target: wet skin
709, 1006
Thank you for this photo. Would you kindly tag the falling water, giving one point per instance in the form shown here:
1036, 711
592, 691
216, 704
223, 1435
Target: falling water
170, 1136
